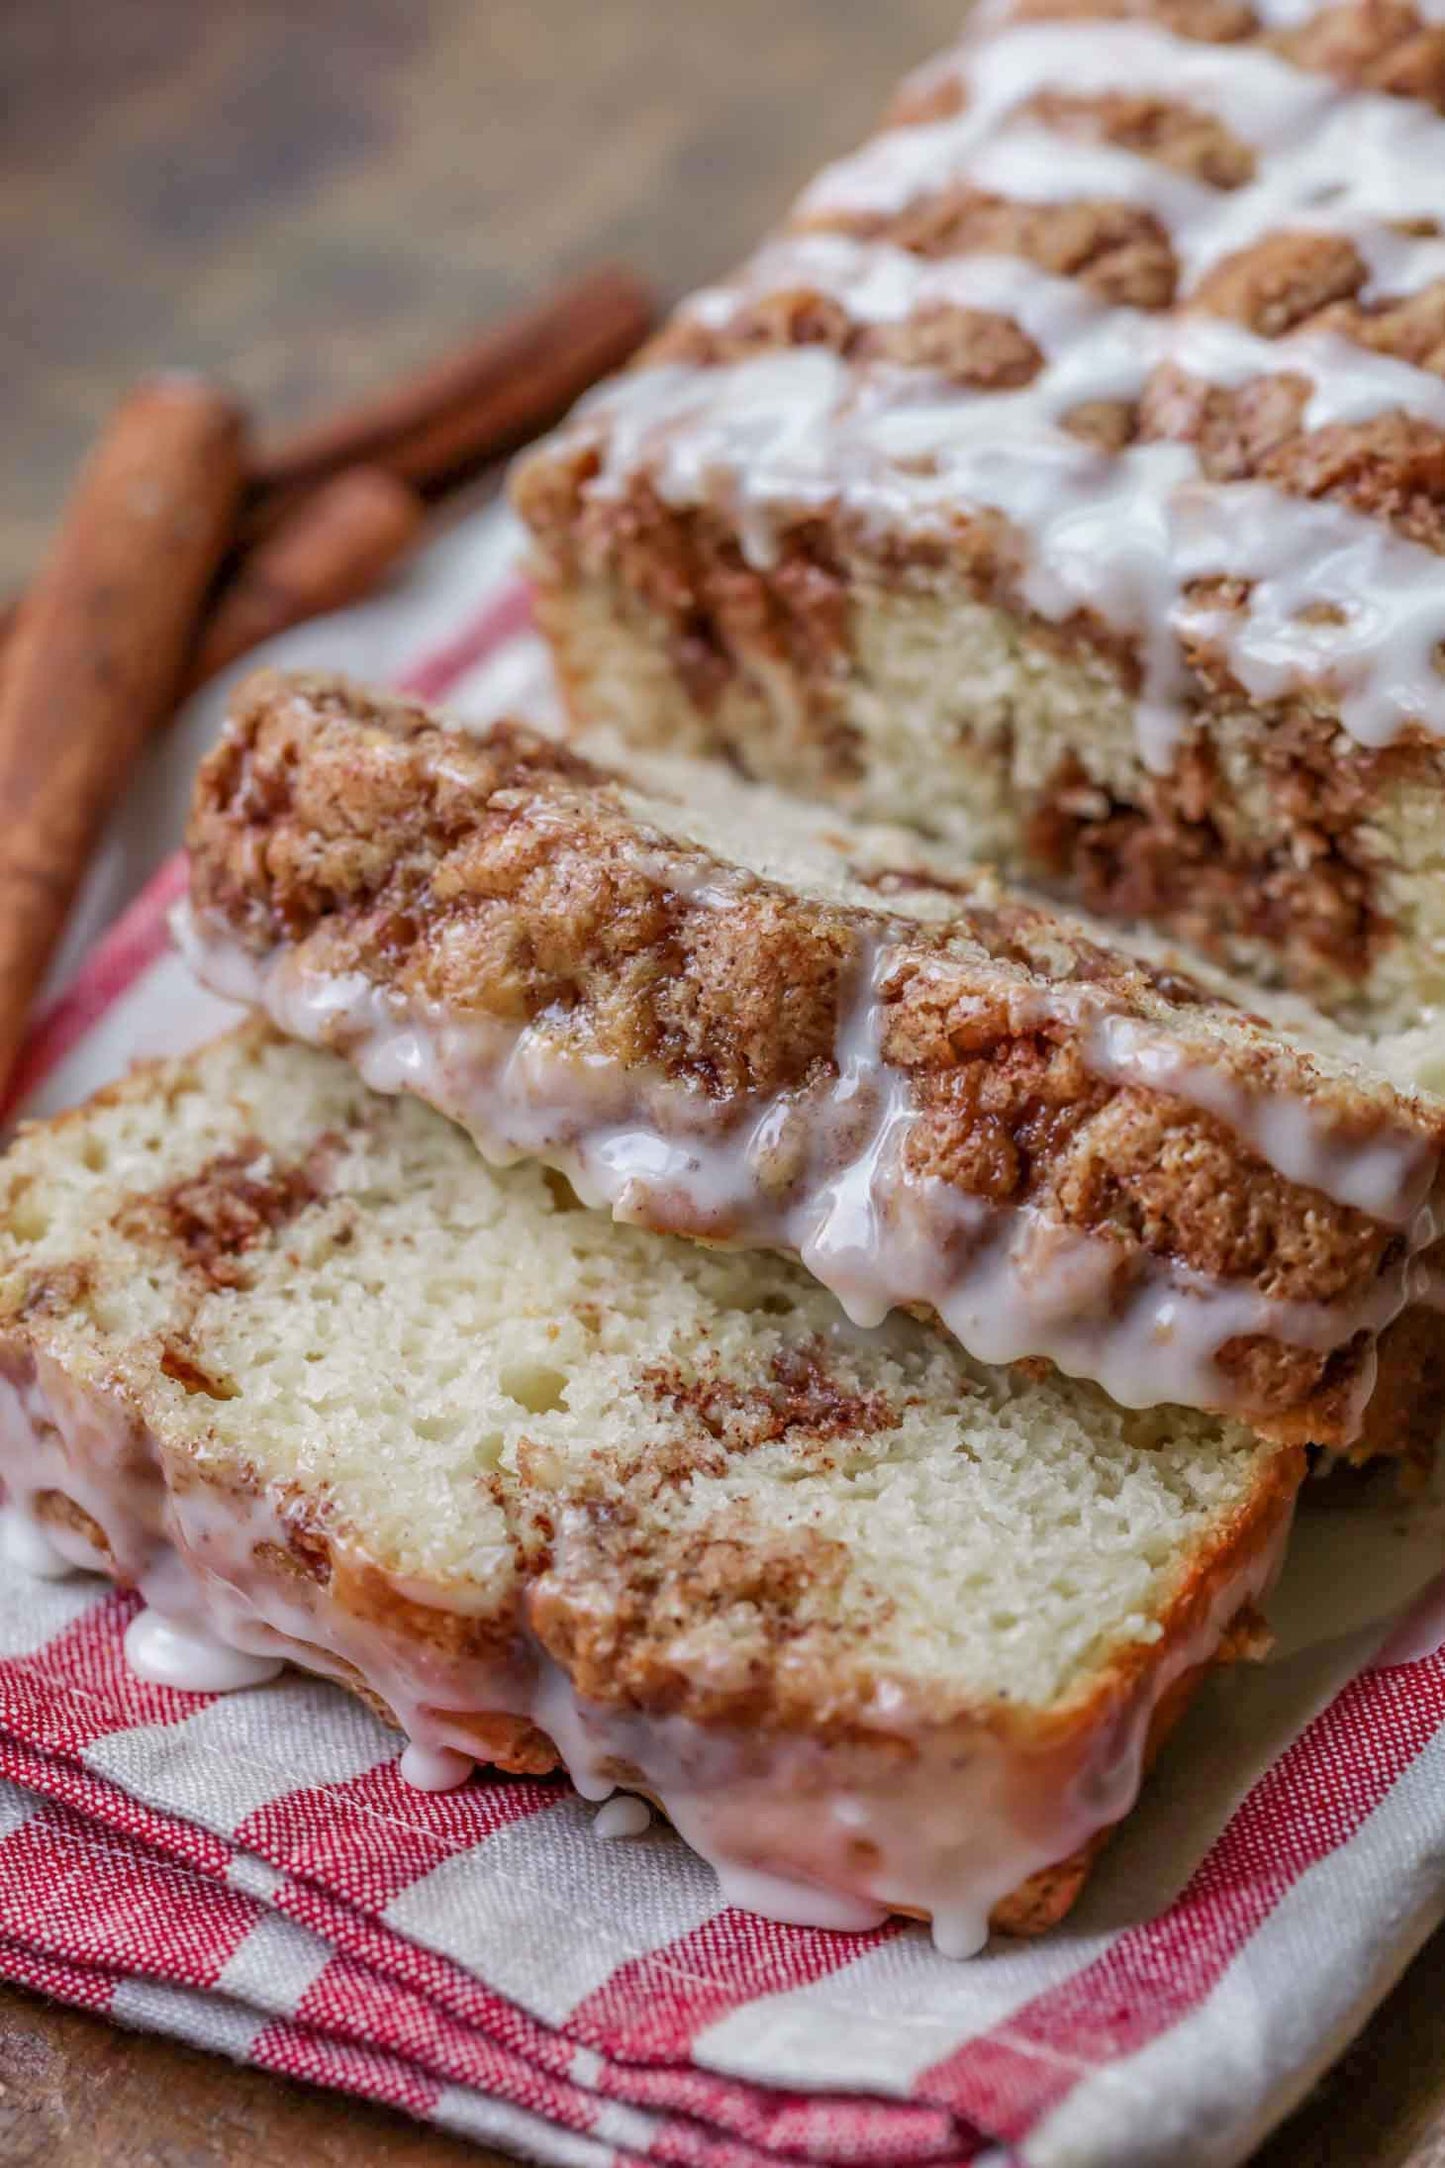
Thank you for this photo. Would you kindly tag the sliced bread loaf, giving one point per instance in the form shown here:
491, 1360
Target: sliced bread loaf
879, 1628
730, 1015
1068, 476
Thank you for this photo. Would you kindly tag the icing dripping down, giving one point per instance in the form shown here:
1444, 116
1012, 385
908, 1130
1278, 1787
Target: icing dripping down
435, 1768
774, 1897
1009, 1281
1121, 536
27, 1547
623, 1815
835, 1836
169, 1652
1390, 1178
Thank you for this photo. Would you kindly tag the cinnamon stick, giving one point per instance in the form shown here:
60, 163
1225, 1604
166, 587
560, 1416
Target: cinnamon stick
503, 389
498, 392
97, 653
333, 547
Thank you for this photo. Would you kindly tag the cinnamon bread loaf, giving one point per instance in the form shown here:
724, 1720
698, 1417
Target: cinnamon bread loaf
1068, 478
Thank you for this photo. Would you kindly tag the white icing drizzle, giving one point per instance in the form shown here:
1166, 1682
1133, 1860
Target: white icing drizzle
1330, 159
962, 1826
828, 1836
878, 283
1348, 383
1009, 1282
170, 1653
1095, 352
1030, 164
1399, 263
1289, 14
1027, 1285
1118, 536
1388, 1176
1378, 660
435, 1768
28, 1546
1367, 162
623, 1815
1262, 99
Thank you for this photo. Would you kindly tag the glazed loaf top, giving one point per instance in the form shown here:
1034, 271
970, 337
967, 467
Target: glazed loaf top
1134, 314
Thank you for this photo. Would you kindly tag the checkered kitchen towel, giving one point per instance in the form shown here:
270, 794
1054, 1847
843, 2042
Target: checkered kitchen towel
250, 1873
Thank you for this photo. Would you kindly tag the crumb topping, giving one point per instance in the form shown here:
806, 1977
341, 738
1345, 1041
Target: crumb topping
500, 877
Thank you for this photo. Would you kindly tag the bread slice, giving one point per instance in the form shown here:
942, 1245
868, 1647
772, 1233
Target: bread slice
1066, 477
879, 1628
732, 1016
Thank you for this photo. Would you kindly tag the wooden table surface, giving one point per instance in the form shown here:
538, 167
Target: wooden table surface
308, 198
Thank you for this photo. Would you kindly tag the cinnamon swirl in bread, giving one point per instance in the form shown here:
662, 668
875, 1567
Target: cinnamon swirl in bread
1067, 478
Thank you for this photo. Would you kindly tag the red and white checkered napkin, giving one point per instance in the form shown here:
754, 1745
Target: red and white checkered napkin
250, 1872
